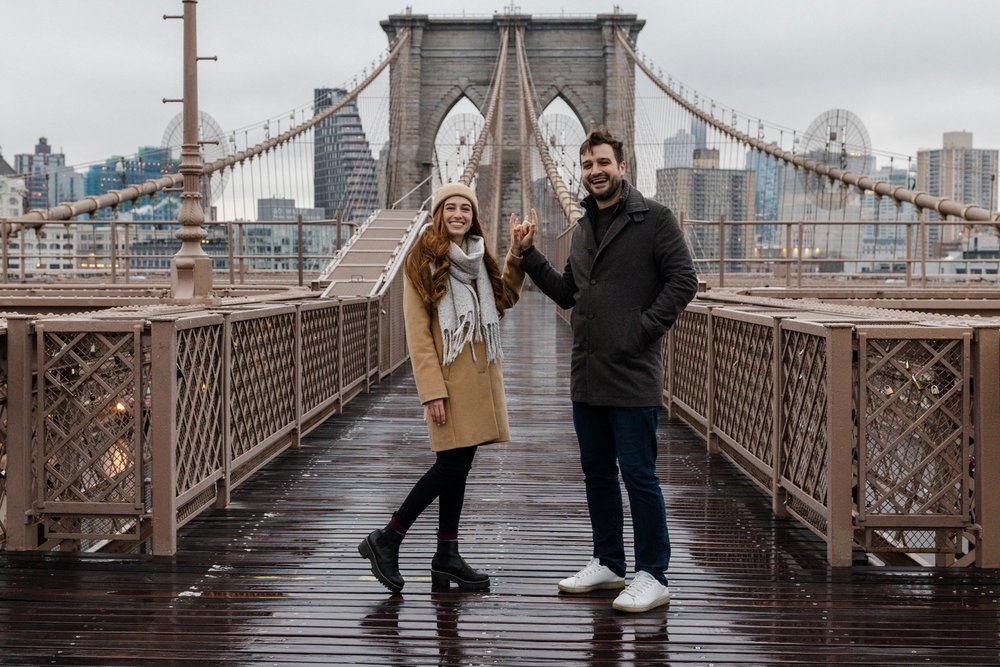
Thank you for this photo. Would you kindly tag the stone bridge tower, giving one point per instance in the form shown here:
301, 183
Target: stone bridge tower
577, 58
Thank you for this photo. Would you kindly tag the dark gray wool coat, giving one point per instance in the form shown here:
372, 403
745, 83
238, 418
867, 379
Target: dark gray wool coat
625, 294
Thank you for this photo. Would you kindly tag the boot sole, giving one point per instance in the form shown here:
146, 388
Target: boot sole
365, 550
440, 579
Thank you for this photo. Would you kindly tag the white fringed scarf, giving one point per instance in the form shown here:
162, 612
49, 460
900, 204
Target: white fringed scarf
466, 312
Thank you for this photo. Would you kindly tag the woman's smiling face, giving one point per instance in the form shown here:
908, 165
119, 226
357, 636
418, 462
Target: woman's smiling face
457, 215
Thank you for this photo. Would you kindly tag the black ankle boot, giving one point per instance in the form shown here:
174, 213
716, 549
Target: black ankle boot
381, 547
447, 565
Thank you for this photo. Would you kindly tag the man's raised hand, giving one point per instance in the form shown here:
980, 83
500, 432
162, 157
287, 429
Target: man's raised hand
522, 234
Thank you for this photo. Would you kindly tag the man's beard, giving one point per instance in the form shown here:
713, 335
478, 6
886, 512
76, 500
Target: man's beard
614, 187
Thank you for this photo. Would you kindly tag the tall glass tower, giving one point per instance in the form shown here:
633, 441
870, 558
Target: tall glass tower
345, 177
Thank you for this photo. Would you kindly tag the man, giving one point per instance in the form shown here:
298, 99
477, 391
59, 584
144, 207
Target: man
628, 277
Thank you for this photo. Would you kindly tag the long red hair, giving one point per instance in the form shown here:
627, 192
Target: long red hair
432, 247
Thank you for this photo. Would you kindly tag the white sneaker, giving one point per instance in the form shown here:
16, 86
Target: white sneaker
643, 594
591, 578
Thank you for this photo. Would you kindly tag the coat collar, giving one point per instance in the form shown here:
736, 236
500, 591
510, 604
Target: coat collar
632, 208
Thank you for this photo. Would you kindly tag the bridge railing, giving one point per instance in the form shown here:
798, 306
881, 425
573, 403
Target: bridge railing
123, 425
725, 252
866, 431
129, 251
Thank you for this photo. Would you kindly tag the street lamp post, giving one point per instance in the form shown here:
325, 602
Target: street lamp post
191, 267
122, 172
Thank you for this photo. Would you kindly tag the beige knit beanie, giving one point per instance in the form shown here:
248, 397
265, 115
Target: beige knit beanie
453, 189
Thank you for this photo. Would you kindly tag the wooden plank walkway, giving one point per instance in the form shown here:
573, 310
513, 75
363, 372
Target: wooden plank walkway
276, 579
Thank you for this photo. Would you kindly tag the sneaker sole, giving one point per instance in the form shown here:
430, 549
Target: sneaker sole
639, 610
611, 585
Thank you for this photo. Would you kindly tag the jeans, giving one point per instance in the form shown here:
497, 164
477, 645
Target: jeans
445, 480
611, 438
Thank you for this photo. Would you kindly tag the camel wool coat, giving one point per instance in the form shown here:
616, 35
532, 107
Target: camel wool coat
475, 405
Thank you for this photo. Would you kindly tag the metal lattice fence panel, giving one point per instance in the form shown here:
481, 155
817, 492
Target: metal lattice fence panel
354, 320
90, 423
262, 377
199, 405
393, 336
374, 319
690, 360
320, 355
804, 438
743, 384
916, 453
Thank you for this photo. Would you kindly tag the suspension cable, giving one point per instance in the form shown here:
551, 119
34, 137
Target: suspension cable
68, 211
495, 97
921, 200
571, 209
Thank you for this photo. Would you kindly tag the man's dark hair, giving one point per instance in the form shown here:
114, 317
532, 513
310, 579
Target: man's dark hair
602, 136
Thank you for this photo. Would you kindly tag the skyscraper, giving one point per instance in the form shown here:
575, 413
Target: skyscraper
707, 193
960, 172
49, 181
275, 246
345, 178
767, 194
12, 191
678, 150
149, 163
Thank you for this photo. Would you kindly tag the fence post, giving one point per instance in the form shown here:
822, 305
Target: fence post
788, 254
301, 251
840, 444
722, 251
778, 494
909, 254
225, 483
21, 532
711, 442
986, 412
230, 254
669, 370
242, 254
163, 432
798, 259
297, 433
4, 248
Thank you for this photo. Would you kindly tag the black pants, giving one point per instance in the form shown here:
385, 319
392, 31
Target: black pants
444, 480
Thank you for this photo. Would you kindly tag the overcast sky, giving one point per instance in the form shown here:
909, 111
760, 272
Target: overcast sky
90, 74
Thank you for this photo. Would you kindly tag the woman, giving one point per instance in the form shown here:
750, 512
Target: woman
454, 296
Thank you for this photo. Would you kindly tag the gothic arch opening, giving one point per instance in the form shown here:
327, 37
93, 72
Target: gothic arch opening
563, 133
454, 140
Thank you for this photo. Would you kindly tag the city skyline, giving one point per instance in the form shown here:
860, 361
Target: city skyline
886, 70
